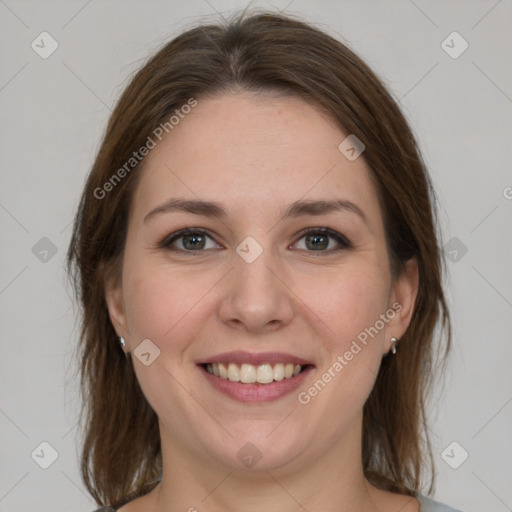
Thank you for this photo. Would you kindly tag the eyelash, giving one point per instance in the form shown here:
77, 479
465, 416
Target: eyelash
343, 242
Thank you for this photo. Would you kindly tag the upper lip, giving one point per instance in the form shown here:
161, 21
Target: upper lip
240, 357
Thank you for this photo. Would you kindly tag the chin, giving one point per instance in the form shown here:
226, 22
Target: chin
259, 447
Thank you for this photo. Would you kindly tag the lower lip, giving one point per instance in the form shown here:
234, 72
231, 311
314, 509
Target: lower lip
256, 392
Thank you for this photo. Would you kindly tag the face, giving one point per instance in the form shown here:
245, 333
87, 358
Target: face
283, 268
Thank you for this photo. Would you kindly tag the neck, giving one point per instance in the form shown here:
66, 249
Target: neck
330, 482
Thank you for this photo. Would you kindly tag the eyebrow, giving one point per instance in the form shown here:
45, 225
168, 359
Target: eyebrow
296, 209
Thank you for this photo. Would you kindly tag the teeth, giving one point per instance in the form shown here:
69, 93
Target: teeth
223, 371
249, 374
233, 372
279, 372
265, 374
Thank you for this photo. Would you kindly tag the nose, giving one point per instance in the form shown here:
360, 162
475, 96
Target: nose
255, 296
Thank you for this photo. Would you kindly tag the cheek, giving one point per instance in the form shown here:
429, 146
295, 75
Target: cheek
152, 304
348, 302
351, 306
347, 376
166, 304
156, 300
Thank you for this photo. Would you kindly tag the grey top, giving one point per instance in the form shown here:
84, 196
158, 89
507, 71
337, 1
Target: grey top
426, 505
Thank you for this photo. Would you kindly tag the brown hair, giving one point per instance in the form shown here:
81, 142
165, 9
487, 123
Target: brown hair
121, 456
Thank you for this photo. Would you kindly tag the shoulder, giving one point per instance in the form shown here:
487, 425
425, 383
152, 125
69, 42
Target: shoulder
430, 505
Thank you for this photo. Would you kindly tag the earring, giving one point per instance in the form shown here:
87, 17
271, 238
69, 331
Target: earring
122, 342
393, 345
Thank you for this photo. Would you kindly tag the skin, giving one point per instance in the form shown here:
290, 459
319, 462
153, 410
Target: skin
255, 155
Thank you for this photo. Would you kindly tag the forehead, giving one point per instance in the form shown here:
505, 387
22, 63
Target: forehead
253, 150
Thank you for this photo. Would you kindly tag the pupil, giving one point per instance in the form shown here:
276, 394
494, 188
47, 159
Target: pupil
193, 241
317, 241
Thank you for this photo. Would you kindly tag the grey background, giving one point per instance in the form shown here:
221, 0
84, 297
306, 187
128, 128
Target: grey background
53, 112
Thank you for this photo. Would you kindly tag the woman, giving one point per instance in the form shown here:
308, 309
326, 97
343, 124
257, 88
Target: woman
256, 258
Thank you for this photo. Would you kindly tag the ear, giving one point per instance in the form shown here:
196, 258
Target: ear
115, 302
403, 300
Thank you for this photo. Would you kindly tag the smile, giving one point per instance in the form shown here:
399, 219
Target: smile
251, 378
249, 373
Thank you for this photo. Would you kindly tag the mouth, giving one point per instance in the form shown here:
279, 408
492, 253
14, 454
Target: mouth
250, 377
246, 373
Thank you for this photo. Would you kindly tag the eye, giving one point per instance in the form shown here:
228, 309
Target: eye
189, 240
312, 240
322, 240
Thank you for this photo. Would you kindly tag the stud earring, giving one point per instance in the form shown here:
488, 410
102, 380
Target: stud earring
122, 342
393, 345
